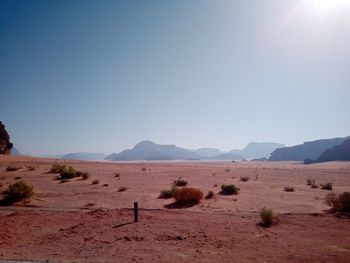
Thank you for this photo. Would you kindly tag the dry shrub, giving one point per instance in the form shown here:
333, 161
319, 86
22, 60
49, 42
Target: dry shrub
338, 203
244, 179
310, 181
179, 182
327, 186
229, 189
12, 168
209, 195
95, 181
18, 191
289, 189
188, 195
57, 168
267, 217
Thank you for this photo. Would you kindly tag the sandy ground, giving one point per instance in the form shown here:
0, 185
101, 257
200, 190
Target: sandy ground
81, 222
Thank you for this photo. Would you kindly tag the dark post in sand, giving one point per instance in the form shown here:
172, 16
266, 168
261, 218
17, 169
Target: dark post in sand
136, 212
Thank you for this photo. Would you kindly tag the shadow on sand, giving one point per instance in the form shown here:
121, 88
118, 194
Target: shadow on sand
180, 205
124, 224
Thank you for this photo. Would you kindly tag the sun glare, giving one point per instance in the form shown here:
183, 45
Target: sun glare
327, 5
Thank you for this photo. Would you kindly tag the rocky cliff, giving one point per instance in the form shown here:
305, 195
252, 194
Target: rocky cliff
5, 144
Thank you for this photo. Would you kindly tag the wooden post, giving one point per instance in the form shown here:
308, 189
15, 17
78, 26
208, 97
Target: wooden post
136, 212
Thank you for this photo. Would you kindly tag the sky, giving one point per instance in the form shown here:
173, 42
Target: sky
100, 76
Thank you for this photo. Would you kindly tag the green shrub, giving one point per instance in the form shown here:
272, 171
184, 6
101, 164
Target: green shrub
188, 195
95, 181
327, 186
244, 179
289, 189
122, 189
179, 182
267, 217
166, 194
229, 189
314, 186
209, 195
12, 168
18, 191
68, 173
338, 203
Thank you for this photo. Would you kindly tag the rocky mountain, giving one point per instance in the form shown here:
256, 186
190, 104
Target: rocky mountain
84, 156
257, 150
5, 144
148, 150
336, 153
308, 150
208, 152
227, 156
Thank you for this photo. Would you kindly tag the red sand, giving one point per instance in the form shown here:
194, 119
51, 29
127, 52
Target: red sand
76, 221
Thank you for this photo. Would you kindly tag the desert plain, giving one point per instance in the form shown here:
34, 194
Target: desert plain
78, 221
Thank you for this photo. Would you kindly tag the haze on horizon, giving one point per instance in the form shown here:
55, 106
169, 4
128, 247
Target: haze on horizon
101, 76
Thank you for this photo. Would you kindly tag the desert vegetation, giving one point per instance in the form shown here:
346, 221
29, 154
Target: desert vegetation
179, 182
166, 194
12, 168
18, 191
95, 181
327, 186
339, 203
188, 195
229, 189
67, 172
288, 189
209, 195
267, 217
244, 178
57, 168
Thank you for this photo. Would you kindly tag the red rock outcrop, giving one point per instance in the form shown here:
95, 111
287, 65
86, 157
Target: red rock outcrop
5, 144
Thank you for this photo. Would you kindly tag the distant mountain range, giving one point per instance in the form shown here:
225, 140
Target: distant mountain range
336, 153
336, 149
257, 150
308, 150
148, 150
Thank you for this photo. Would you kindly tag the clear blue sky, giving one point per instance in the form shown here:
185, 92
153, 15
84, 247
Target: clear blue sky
103, 75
